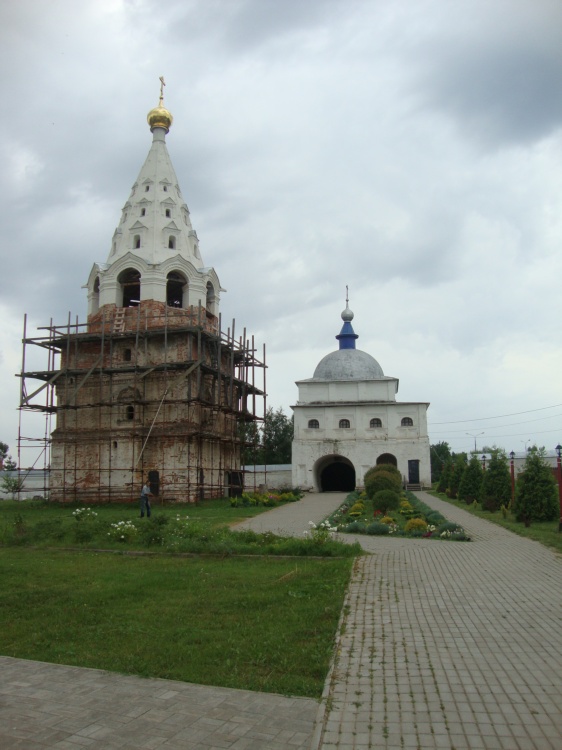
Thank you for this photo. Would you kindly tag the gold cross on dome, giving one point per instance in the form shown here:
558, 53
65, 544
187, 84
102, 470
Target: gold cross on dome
162, 84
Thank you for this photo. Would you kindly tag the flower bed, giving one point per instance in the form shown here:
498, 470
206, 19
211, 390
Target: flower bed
413, 519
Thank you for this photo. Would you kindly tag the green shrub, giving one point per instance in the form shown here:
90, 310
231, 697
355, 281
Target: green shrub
357, 509
378, 529
382, 480
385, 500
152, 533
416, 525
387, 468
435, 518
447, 526
48, 529
355, 527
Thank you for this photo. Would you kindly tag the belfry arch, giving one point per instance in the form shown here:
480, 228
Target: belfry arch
334, 473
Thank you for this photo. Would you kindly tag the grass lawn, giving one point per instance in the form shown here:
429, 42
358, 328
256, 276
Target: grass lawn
544, 532
261, 623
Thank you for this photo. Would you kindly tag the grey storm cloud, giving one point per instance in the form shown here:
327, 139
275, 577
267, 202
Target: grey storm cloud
410, 151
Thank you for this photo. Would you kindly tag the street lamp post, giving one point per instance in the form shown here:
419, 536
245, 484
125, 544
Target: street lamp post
470, 434
512, 466
559, 472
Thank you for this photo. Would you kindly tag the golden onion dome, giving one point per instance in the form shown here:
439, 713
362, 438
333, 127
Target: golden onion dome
160, 117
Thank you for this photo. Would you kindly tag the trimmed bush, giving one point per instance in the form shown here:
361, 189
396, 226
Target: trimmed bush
382, 480
388, 468
385, 500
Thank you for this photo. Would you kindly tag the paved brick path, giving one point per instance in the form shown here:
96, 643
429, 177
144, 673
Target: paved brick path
444, 645
449, 645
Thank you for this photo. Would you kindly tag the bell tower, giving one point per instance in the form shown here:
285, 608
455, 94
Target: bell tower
150, 384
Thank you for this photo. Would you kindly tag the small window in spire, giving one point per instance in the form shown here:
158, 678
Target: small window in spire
165, 188
136, 242
168, 213
143, 211
147, 188
172, 242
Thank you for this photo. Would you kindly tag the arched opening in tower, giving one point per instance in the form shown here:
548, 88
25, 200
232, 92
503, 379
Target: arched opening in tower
130, 281
337, 476
174, 289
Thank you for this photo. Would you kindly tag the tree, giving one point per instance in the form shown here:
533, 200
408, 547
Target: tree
471, 481
6, 461
252, 452
457, 470
11, 485
446, 475
439, 453
269, 443
495, 490
535, 491
277, 437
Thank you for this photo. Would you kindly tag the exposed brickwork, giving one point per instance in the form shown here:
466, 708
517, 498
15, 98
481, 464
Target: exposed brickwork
146, 398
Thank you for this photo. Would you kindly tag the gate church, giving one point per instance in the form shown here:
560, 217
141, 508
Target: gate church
347, 419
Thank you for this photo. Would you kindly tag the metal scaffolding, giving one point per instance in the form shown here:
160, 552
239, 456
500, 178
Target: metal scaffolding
141, 390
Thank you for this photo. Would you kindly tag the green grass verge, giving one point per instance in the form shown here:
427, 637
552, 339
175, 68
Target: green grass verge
197, 529
254, 623
544, 532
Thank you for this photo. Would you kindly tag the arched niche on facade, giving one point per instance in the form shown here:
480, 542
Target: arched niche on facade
130, 287
334, 473
128, 400
387, 458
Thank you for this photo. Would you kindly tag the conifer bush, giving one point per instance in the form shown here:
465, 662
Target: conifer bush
495, 490
471, 481
535, 492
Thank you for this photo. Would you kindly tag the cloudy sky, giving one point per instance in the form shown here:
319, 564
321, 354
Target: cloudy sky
410, 149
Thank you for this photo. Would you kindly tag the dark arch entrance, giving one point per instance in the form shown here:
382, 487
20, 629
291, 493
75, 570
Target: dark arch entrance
337, 477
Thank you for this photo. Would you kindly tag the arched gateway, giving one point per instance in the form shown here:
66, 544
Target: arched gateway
334, 474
